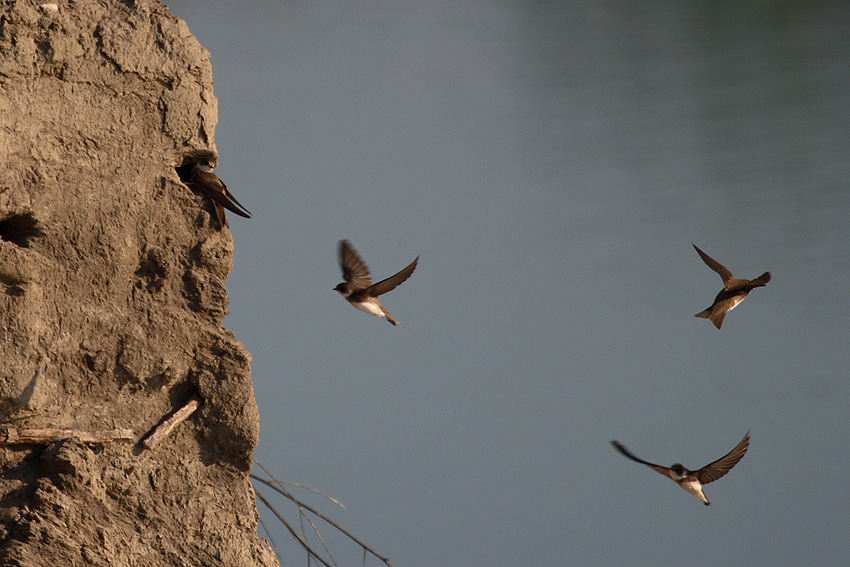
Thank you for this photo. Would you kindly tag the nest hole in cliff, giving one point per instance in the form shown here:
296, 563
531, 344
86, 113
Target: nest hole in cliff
184, 170
19, 229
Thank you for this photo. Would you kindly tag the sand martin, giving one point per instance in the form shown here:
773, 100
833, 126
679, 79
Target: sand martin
693, 481
734, 290
358, 288
205, 179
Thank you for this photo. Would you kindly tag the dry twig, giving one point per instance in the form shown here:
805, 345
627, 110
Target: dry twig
166, 427
14, 436
279, 486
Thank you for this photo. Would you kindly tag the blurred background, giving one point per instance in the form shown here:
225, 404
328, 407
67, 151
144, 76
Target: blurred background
552, 162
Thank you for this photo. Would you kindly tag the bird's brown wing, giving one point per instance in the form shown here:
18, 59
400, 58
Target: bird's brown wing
215, 189
761, 280
725, 274
717, 469
354, 269
392, 282
241, 210
622, 448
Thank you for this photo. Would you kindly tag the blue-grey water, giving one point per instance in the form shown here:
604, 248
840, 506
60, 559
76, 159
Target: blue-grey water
552, 162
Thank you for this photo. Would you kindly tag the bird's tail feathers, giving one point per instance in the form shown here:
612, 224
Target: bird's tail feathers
716, 318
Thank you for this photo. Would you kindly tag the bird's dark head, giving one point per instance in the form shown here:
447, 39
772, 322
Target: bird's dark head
342, 288
679, 470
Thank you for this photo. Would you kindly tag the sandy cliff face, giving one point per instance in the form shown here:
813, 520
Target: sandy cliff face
112, 275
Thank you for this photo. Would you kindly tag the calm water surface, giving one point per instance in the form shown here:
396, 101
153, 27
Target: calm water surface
552, 162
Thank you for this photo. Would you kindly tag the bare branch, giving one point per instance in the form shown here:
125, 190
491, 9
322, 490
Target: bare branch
299, 485
14, 436
303, 543
278, 486
166, 427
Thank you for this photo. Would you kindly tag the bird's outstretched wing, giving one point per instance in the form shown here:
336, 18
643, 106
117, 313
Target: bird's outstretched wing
717, 469
622, 448
761, 280
354, 269
392, 282
725, 274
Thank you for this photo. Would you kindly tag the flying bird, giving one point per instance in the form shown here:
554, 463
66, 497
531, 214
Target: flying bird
205, 179
358, 288
734, 290
693, 481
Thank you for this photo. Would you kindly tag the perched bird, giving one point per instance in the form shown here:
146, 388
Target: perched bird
693, 481
205, 179
734, 290
358, 288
